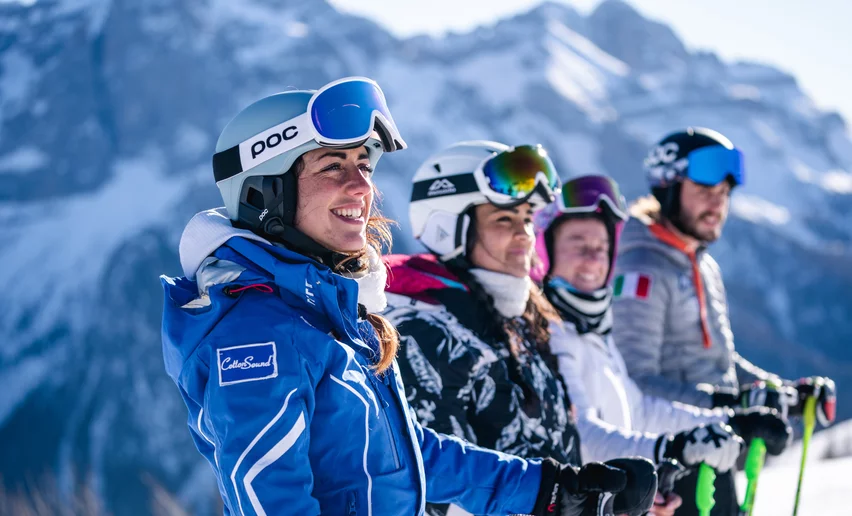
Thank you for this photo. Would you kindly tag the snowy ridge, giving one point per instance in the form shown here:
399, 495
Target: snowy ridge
110, 109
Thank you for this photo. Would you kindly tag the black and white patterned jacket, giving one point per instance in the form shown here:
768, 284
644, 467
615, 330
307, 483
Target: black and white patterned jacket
462, 385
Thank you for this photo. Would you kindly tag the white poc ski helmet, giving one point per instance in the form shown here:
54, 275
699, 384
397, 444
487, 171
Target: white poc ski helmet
263, 141
448, 184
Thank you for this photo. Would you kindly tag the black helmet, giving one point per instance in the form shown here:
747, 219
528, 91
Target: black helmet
668, 164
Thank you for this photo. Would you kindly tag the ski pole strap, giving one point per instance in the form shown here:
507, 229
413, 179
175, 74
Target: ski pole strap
705, 489
753, 466
809, 418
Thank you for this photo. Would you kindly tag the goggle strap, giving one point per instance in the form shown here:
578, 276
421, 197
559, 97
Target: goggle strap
226, 164
262, 147
442, 186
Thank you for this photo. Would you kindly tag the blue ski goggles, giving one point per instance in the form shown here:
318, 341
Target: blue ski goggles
342, 114
711, 165
346, 112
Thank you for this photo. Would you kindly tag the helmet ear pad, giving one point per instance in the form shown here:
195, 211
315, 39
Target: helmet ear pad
267, 201
445, 234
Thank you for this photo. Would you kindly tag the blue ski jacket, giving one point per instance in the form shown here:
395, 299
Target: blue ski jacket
274, 365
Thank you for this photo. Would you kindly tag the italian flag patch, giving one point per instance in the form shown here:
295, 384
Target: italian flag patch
632, 286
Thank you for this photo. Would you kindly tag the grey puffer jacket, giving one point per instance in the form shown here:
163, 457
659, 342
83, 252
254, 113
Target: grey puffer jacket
670, 349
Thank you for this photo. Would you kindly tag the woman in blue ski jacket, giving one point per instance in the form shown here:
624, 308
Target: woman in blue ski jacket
274, 341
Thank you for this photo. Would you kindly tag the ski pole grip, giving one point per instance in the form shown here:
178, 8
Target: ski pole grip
753, 465
756, 457
705, 489
809, 414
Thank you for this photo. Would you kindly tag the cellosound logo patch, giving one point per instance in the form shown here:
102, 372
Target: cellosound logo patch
247, 363
441, 187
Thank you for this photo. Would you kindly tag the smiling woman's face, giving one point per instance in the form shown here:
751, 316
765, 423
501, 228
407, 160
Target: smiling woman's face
581, 253
335, 198
504, 239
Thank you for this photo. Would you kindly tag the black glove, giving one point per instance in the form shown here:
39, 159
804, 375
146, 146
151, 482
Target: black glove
637, 498
588, 491
765, 423
821, 388
758, 394
569, 491
715, 444
669, 471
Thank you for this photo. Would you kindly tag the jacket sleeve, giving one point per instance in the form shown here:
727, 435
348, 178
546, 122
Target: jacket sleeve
600, 441
258, 419
440, 384
639, 328
747, 373
659, 415
478, 480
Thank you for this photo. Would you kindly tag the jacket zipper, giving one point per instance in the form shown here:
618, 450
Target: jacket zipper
352, 506
386, 419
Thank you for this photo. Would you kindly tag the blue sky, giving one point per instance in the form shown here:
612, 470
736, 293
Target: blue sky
812, 40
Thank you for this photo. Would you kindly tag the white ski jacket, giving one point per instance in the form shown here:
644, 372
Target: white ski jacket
615, 418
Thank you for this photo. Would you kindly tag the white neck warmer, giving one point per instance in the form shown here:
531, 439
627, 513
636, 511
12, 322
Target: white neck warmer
510, 293
371, 283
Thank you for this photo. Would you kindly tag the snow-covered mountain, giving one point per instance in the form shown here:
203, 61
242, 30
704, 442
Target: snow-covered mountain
109, 111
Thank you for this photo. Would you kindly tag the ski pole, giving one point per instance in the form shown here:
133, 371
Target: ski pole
705, 489
809, 417
753, 466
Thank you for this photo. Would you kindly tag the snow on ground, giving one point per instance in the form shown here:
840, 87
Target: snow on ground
825, 489
827, 481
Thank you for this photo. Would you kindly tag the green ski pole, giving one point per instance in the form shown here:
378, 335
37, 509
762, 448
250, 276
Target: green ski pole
753, 466
809, 417
705, 489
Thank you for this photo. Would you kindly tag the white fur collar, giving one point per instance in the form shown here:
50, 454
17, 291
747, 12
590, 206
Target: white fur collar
510, 293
